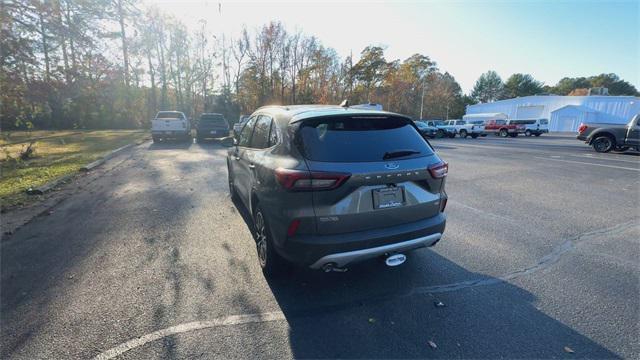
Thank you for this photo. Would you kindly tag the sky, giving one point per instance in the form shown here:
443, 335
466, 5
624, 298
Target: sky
547, 39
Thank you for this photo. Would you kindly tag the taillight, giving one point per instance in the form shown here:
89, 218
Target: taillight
300, 180
439, 170
582, 128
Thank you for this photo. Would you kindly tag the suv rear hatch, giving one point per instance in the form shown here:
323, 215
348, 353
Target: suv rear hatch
213, 122
386, 165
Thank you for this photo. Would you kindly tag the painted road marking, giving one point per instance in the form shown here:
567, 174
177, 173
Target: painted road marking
187, 327
483, 212
588, 163
539, 149
591, 156
544, 262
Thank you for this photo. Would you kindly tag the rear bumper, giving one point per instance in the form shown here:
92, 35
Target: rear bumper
170, 133
317, 250
344, 258
206, 133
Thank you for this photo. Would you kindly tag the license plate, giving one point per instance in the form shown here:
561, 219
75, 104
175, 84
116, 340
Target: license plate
214, 132
389, 197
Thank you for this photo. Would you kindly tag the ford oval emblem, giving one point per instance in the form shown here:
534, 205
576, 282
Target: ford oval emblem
391, 166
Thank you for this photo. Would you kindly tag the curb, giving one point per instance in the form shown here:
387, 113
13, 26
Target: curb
99, 162
49, 186
53, 183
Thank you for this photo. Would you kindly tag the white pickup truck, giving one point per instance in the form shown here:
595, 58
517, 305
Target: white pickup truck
170, 125
465, 128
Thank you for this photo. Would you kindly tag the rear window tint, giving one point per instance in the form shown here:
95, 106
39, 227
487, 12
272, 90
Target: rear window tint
169, 115
357, 139
214, 120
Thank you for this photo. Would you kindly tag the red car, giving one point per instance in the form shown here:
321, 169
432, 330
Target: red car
503, 128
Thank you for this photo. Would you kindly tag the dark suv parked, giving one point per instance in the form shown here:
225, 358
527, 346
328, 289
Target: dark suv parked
328, 186
212, 126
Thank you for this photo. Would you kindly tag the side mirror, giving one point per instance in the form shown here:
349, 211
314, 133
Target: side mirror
229, 142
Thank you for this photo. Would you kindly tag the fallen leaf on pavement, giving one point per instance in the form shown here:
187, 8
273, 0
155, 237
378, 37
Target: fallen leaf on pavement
569, 350
432, 344
372, 320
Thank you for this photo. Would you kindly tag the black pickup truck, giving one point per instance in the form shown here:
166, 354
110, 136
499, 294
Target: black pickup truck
607, 137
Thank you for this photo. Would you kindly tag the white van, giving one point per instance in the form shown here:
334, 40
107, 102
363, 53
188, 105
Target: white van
535, 127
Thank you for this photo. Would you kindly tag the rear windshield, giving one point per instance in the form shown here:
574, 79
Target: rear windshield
169, 115
215, 120
360, 138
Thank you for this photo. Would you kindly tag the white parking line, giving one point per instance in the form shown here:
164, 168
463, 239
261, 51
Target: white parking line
480, 211
544, 262
591, 156
187, 327
588, 163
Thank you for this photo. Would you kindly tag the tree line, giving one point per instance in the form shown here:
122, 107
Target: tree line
490, 87
113, 64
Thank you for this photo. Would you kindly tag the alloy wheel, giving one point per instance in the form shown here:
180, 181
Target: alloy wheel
261, 238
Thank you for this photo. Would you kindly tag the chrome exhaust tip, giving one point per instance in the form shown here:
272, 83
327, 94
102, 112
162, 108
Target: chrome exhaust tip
331, 267
395, 259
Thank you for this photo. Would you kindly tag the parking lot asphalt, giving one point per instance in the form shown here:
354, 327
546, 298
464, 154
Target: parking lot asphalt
151, 259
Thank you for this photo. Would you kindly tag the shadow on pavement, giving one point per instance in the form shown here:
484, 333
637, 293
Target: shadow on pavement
373, 311
171, 145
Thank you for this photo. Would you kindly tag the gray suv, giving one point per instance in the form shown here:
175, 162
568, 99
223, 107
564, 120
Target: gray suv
328, 186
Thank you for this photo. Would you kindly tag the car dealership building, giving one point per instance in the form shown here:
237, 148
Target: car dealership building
565, 113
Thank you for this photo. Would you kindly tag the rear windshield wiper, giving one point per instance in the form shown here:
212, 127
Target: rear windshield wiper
399, 153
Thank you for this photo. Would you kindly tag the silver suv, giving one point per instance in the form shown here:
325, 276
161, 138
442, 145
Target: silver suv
330, 185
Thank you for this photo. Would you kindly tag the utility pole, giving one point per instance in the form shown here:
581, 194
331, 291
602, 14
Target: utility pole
422, 97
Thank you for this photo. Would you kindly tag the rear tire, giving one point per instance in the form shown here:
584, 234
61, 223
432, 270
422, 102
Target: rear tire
232, 188
602, 144
271, 262
439, 133
504, 133
527, 133
463, 133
